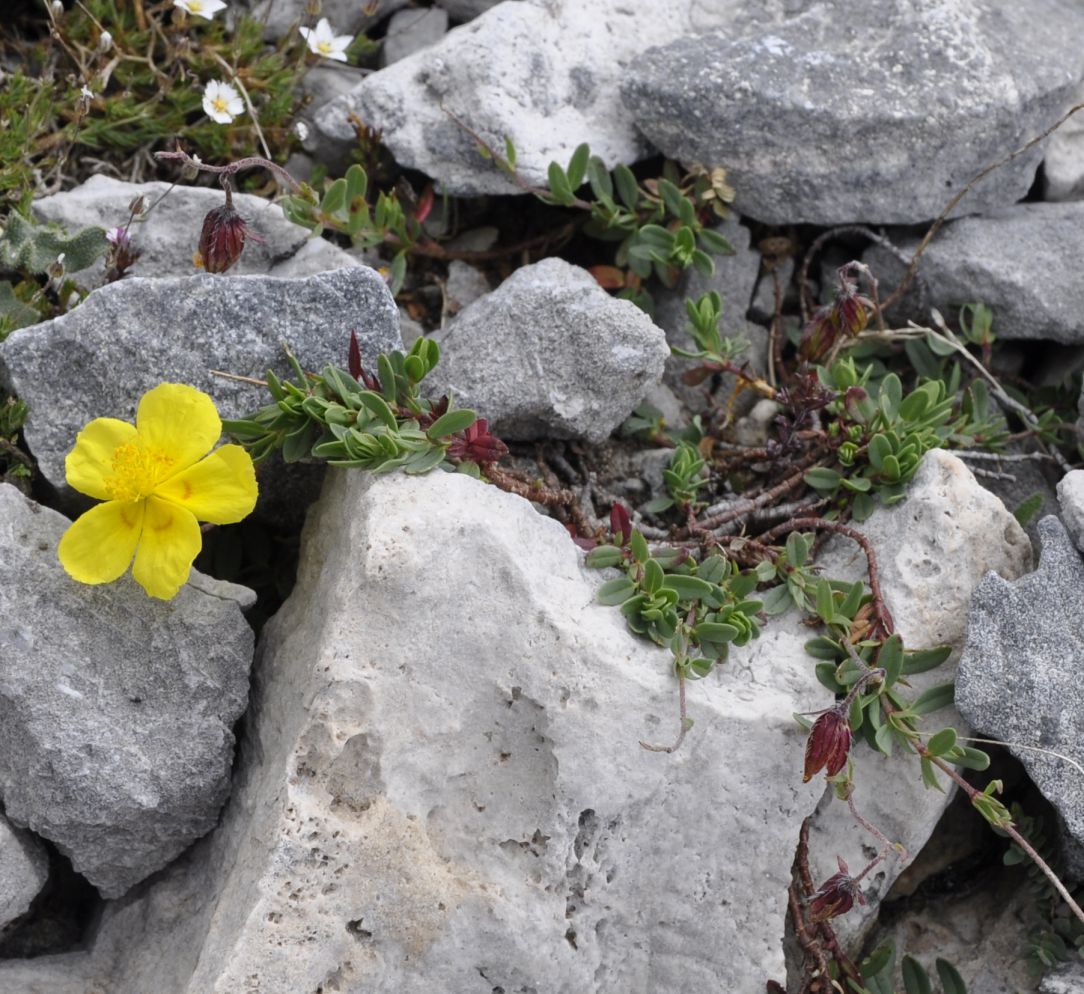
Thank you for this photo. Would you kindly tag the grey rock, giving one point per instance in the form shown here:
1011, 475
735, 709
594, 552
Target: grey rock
542, 73
1024, 651
346, 16
129, 336
317, 255
1020, 261
24, 865
1063, 163
453, 810
829, 118
1071, 500
1068, 978
933, 550
549, 354
410, 31
464, 286
116, 710
169, 235
466, 10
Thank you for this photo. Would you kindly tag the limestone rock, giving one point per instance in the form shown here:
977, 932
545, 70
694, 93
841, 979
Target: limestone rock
829, 117
933, 550
466, 10
410, 31
129, 336
116, 710
542, 73
346, 16
169, 234
550, 354
1063, 164
1071, 500
24, 865
1024, 650
1019, 260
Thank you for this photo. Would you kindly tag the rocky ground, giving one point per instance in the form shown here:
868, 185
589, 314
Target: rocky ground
387, 738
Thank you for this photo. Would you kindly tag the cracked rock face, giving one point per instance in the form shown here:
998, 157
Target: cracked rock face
116, 710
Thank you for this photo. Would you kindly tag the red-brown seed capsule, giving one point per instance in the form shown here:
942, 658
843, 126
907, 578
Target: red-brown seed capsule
836, 896
828, 744
223, 238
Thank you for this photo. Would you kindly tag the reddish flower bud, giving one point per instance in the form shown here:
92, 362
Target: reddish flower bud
828, 744
836, 895
476, 444
223, 237
620, 524
818, 336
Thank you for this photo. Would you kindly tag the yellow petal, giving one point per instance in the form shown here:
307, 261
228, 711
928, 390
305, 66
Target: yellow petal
90, 463
98, 547
179, 421
220, 488
171, 539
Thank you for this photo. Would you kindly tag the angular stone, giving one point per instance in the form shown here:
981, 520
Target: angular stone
441, 785
129, 336
549, 354
24, 865
345, 16
1071, 501
169, 234
1068, 978
116, 710
933, 550
467, 10
1063, 164
410, 31
829, 118
1020, 261
542, 73
1025, 649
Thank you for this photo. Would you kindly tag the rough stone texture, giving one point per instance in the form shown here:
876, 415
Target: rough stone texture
1065, 979
116, 710
933, 550
169, 235
1020, 261
410, 31
542, 73
550, 354
448, 809
24, 865
1071, 500
129, 336
829, 118
466, 10
464, 286
1063, 164
346, 16
1025, 648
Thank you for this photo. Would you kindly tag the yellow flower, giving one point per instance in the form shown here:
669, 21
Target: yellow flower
158, 481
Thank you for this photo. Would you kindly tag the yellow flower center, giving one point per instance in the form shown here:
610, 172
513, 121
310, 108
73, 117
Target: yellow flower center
195, 6
324, 46
137, 470
220, 105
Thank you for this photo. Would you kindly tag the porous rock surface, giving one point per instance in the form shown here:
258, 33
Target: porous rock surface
1071, 502
24, 866
549, 354
129, 336
1019, 261
1063, 164
441, 788
542, 73
1019, 678
168, 236
116, 710
933, 550
830, 116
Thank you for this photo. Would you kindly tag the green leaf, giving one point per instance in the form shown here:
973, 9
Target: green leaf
627, 188
638, 545
1028, 508
616, 591
797, 548
824, 601
559, 185
862, 507
924, 659
710, 631
877, 961
599, 177
915, 978
671, 197
914, 405
714, 569
602, 556
423, 462
577, 166
715, 243
376, 404
879, 448
823, 479
890, 658
777, 600
934, 698
883, 739
451, 422
298, 444
951, 981
940, 742
689, 588
826, 674
890, 395
357, 183
971, 759
929, 775
335, 197
653, 576
823, 648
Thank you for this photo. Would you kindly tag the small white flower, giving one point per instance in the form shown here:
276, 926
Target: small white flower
221, 102
323, 42
105, 42
86, 93
201, 8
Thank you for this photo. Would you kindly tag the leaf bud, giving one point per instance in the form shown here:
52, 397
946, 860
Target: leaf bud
137, 206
